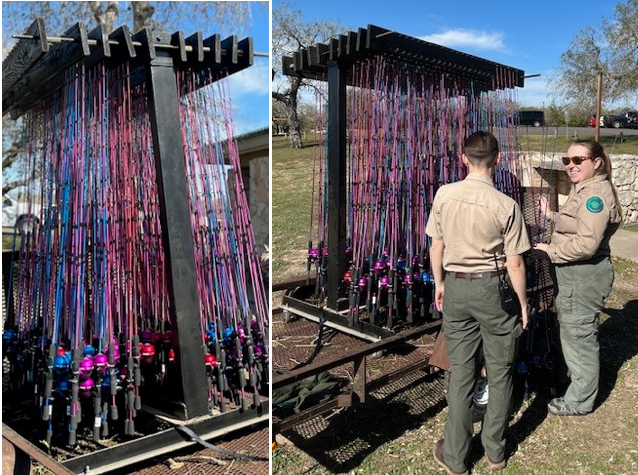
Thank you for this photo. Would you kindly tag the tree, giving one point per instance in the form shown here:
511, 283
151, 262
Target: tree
228, 17
11, 146
622, 35
289, 33
579, 66
611, 49
59, 16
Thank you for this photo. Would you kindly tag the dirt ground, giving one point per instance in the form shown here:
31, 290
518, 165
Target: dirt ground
395, 432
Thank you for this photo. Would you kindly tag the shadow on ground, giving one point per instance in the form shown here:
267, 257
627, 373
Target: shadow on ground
618, 344
345, 440
341, 443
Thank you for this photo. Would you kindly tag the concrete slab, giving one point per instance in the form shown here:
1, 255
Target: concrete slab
624, 244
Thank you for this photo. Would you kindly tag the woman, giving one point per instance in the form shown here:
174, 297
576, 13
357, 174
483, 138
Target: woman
582, 270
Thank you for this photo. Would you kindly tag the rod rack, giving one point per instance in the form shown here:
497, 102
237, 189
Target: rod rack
137, 44
34, 68
312, 61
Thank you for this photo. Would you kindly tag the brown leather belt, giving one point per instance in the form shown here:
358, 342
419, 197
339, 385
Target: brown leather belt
476, 275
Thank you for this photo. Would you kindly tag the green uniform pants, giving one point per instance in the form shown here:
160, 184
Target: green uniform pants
472, 314
580, 293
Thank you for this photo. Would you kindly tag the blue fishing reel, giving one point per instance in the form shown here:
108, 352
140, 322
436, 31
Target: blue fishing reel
8, 336
61, 364
62, 387
227, 335
210, 333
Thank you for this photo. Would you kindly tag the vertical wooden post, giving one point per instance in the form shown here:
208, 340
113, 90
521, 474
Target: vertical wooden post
176, 236
336, 180
599, 101
359, 385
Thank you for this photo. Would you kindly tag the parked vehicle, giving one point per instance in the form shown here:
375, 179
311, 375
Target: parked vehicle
628, 120
19, 214
534, 118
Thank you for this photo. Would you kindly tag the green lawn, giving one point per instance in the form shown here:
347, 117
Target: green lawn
559, 144
291, 191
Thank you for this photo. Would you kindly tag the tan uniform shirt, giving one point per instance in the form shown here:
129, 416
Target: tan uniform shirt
475, 220
585, 223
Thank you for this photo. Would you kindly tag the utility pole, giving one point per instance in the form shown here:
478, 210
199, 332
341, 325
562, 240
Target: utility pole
599, 100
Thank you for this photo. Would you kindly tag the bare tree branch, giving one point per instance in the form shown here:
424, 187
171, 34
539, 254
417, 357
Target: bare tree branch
107, 17
611, 48
288, 35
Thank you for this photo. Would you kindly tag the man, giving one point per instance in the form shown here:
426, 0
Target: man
471, 224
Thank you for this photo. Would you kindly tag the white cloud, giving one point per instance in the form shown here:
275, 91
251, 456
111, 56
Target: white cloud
468, 38
253, 80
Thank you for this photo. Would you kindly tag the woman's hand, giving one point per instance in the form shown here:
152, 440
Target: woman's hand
543, 207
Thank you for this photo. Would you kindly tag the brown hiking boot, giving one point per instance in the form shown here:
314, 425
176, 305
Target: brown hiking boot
438, 458
494, 466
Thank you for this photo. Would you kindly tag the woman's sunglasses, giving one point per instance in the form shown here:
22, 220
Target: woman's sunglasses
575, 160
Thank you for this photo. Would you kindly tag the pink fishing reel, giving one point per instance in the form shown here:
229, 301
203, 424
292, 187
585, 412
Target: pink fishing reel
86, 387
86, 367
241, 335
116, 350
101, 361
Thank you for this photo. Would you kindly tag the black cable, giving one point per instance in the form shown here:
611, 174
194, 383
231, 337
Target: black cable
185, 431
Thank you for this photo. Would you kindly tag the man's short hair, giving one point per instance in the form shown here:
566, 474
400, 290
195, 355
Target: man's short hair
481, 148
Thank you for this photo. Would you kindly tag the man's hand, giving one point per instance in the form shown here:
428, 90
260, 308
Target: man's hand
439, 290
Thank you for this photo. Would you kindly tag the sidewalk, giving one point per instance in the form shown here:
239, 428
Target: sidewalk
624, 244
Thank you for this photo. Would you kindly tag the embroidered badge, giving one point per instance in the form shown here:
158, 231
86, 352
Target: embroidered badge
594, 204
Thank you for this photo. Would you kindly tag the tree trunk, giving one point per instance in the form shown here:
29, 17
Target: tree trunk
289, 101
107, 17
142, 13
293, 124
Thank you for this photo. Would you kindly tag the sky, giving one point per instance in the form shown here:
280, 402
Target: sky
528, 35
250, 88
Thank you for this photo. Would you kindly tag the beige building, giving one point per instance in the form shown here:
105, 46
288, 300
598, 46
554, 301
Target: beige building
254, 153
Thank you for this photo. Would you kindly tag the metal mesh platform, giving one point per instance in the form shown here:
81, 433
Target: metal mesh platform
250, 442
294, 345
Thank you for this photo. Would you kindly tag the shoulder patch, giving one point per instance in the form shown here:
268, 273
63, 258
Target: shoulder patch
595, 204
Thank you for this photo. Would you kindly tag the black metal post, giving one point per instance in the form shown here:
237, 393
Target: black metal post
336, 180
176, 235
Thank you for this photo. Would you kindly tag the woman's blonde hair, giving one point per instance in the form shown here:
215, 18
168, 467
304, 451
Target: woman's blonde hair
596, 150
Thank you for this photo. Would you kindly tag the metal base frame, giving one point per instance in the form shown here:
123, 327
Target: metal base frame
294, 302
138, 450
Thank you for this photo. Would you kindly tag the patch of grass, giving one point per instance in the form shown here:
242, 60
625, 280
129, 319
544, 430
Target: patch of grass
7, 242
283, 458
633, 228
550, 143
291, 201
